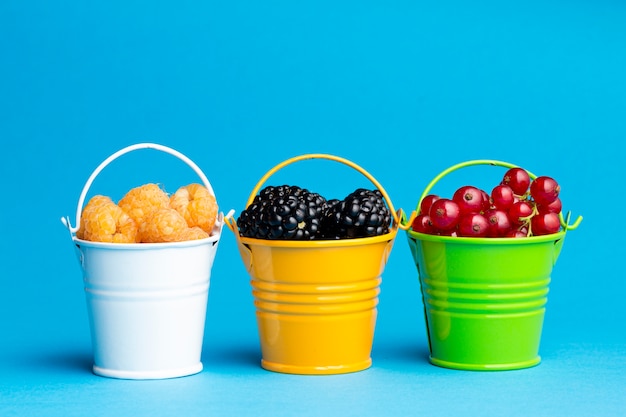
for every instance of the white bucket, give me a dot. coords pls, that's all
(146, 301)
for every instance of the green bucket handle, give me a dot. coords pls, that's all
(406, 223)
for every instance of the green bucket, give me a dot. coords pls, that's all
(484, 298)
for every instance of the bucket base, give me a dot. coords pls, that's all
(158, 374)
(316, 370)
(486, 367)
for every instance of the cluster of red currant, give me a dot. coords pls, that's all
(517, 207)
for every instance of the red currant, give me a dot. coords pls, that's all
(469, 199)
(486, 201)
(423, 224)
(545, 224)
(555, 207)
(473, 225)
(444, 214)
(544, 190)
(499, 223)
(427, 202)
(502, 196)
(518, 179)
(516, 233)
(519, 212)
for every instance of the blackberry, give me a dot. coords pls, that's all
(283, 212)
(363, 213)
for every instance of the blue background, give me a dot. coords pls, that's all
(404, 89)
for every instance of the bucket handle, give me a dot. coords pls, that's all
(397, 216)
(564, 221)
(107, 161)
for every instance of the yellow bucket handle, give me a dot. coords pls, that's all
(92, 177)
(564, 221)
(397, 216)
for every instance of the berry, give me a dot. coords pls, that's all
(284, 212)
(473, 225)
(362, 213)
(518, 179)
(103, 221)
(486, 201)
(520, 212)
(427, 202)
(423, 224)
(162, 225)
(140, 202)
(554, 207)
(517, 233)
(190, 233)
(502, 196)
(90, 206)
(196, 205)
(444, 214)
(499, 223)
(545, 224)
(469, 199)
(544, 190)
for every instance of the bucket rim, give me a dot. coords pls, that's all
(329, 243)
(487, 241)
(214, 238)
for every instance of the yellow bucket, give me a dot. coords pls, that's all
(316, 301)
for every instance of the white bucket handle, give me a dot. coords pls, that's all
(83, 194)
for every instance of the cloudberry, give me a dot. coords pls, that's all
(196, 205)
(140, 202)
(163, 225)
(191, 233)
(103, 221)
(93, 202)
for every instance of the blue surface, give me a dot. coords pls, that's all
(404, 89)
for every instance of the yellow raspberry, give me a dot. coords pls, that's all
(104, 221)
(196, 205)
(163, 225)
(140, 202)
(93, 202)
(190, 233)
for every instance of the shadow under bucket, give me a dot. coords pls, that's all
(316, 300)
(146, 302)
(484, 298)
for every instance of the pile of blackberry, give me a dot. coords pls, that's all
(294, 213)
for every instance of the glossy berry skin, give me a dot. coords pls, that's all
(519, 212)
(427, 202)
(469, 199)
(502, 196)
(545, 224)
(555, 207)
(516, 233)
(473, 225)
(544, 190)
(445, 214)
(518, 179)
(486, 201)
(423, 224)
(499, 223)
(362, 213)
(283, 212)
